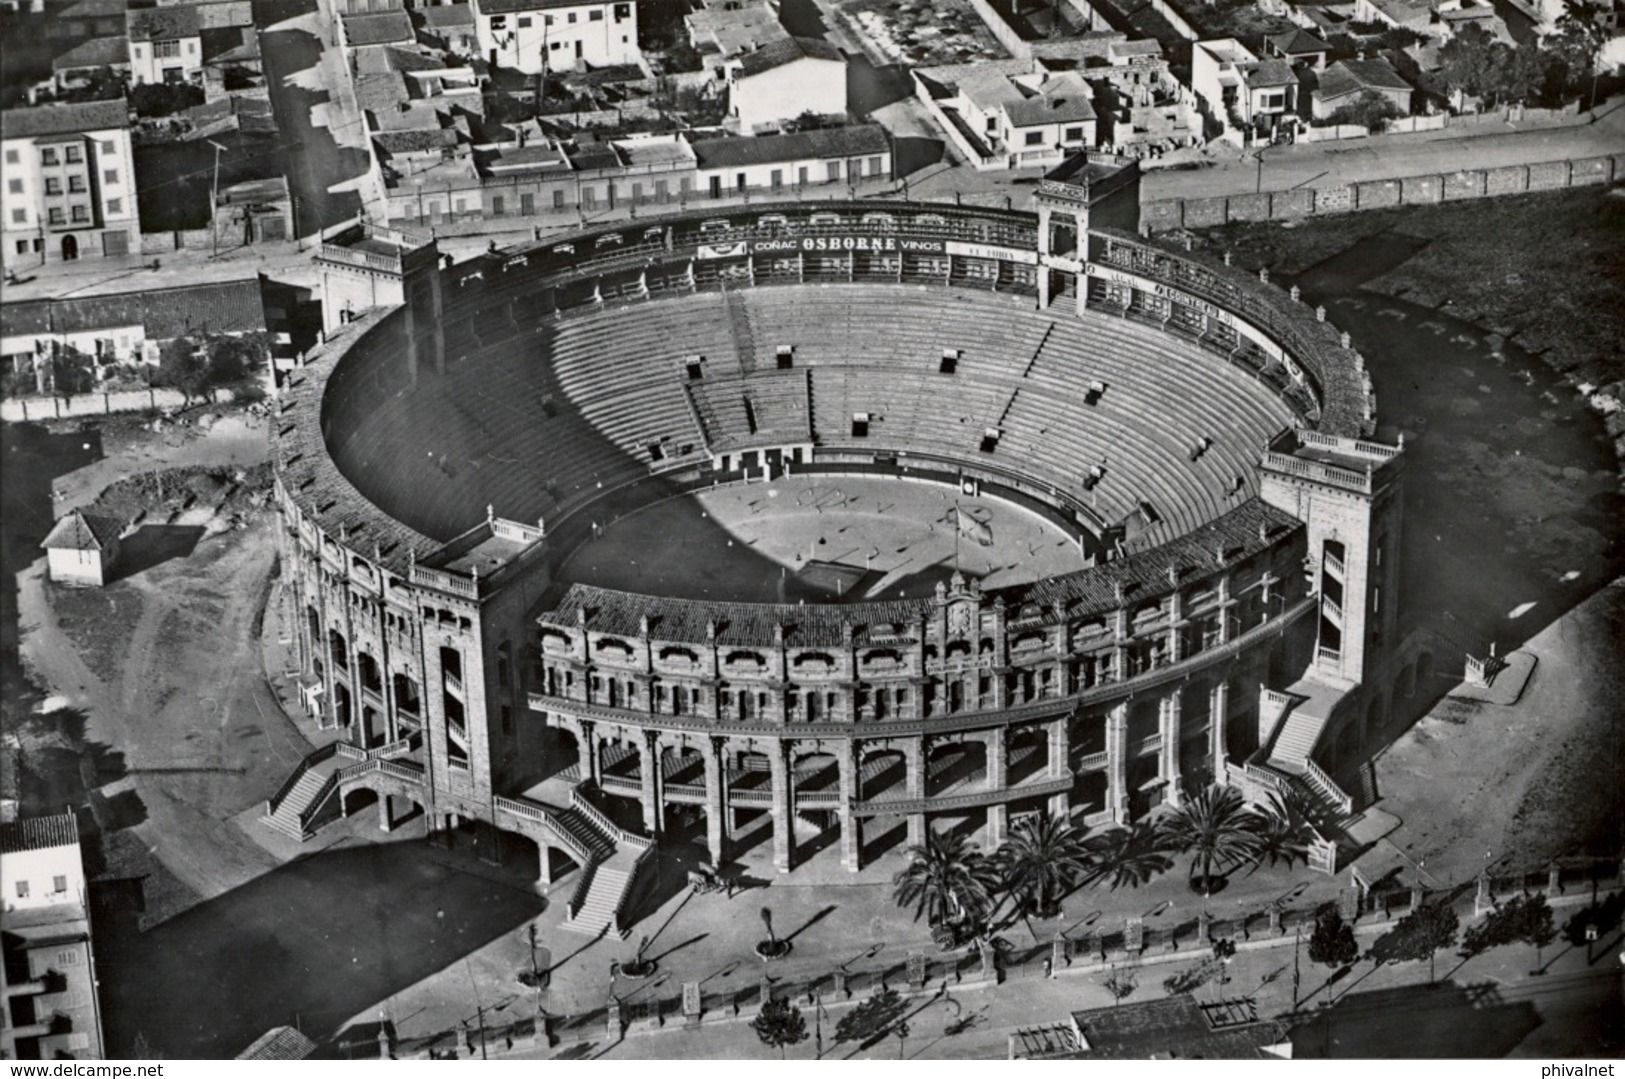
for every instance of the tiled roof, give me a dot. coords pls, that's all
(1299, 42)
(822, 144)
(380, 92)
(279, 1043)
(1172, 1028)
(227, 307)
(378, 28)
(440, 16)
(1271, 73)
(39, 833)
(504, 7)
(162, 23)
(64, 119)
(97, 52)
(1062, 99)
(787, 51)
(409, 142)
(1142, 575)
(1353, 76)
(80, 531)
(90, 9)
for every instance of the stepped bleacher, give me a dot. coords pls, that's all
(538, 416)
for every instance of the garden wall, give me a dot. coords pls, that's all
(1161, 215)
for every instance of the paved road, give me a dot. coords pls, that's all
(1386, 157)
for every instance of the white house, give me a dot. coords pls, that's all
(1346, 81)
(47, 963)
(1241, 89)
(1011, 113)
(721, 30)
(779, 163)
(782, 80)
(533, 36)
(82, 549)
(69, 183)
(166, 44)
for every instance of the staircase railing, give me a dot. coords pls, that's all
(619, 924)
(544, 815)
(580, 800)
(308, 815)
(1324, 784)
(315, 758)
(583, 886)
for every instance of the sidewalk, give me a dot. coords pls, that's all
(975, 1021)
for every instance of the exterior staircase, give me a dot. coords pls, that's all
(607, 878)
(306, 800)
(739, 324)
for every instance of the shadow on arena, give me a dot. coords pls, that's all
(310, 945)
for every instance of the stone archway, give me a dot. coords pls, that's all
(70, 248)
(952, 763)
(882, 771)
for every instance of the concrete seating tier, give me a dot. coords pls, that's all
(535, 416)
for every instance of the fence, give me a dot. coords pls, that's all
(20, 409)
(1161, 215)
(1083, 946)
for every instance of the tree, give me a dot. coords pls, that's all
(1370, 110)
(1128, 857)
(72, 371)
(1286, 828)
(1578, 38)
(780, 1024)
(1419, 935)
(872, 1018)
(1120, 985)
(183, 364)
(164, 98)
(1043, 858)
(1214, 825)
(1332, 943)
(947, 880)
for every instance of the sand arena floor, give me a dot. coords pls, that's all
(752, 542)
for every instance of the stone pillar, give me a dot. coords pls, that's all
(589, 752)
(716, 800)
(914, 762)
(998, 814)
(386, 812)
(649, 773)
(544, 865)
(784, 837)
(851, 825)
(1218, 709)
(1060, 748)
(1117, 800)
(1168, 757)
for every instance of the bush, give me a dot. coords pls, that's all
(1370, 110)
(165, 98)
(1332, 943)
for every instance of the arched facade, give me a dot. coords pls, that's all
(1114, 689)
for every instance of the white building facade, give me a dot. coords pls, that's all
(535, 36)
(69, 185)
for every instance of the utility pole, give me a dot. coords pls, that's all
(214, 203)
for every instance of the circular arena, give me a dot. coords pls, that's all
(791, 531)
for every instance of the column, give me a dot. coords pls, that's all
(998, 814)
(851, 824)
(1218, 710)
(1168, 714)
(1117, 763)
(716, 831)
(784, 837)
(386, 814)
(914, 765)
(1060, 747)
(649, 773)
(587, 744)
(1044, 240)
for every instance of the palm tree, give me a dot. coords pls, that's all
(1128, 857)
(947, 880)
(1213, 825)
(1287, 828)
(1043, 859)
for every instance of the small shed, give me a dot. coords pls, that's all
(83, 548)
